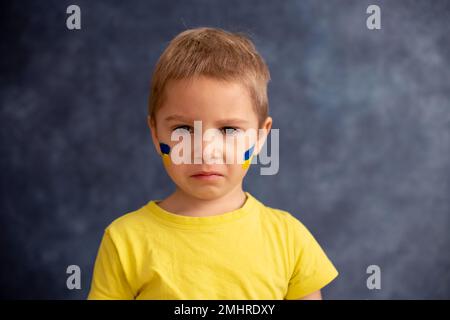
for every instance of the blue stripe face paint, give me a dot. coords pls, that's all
(248, 153)
(165, 149)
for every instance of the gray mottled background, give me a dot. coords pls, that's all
(364, 119)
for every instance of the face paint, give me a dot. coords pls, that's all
(165, 150)
(248, 156)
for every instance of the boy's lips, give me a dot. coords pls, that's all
(207, 175)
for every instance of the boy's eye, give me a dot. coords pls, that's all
(230, 130)
(183, 128)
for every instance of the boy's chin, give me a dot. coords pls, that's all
(206, 193)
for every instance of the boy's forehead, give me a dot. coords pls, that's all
(204, 97)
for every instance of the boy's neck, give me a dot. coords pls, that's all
(183, 204)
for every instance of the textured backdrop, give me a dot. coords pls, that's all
(364, 119)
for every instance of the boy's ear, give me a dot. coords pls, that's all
(151, 122)
(262, 134)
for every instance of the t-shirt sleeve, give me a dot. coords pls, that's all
(109, 280)
(313, 270)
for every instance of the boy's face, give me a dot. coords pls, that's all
(223, 106)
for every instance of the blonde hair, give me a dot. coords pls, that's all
(216, 53)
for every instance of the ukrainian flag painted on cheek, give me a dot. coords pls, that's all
(165, 150)
(248, 156)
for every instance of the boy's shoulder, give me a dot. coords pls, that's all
(131, 221)
(285, 222)
(276, 213)
(282, 216)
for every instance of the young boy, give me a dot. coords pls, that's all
(209, 239)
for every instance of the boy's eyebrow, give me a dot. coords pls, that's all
(222, 121)
(176, 117)
(231, 121)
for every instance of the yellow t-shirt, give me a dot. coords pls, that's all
(252, 253)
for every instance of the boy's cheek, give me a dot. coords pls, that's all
(230, 156)
(165, 153)
(177, 173)
(241, 156)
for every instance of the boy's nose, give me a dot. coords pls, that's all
(211, 148)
